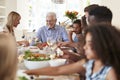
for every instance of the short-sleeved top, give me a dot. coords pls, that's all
(100, 75)
(57, 31)
(75, 39)
(81, 41)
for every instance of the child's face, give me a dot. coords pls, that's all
(76, 28)
(89, 52)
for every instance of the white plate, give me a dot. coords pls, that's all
(34, 49)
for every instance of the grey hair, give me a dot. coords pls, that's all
(51, 14)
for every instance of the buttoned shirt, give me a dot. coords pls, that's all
(55, 33)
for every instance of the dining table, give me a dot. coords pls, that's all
(22, 68)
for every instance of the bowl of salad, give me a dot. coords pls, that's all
(35, 60)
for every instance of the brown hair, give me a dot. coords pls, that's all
(8, 57)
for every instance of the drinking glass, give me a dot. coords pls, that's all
(52, 45)
(59, 39)
(49, 41)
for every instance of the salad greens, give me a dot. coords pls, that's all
(35, 56)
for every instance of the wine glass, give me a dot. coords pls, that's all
(52, 45)
(29, 39)
(59, 39)
(49, 41)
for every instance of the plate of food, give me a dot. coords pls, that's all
(34, 49)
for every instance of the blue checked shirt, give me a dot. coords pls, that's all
(55, 32)
(100, 75)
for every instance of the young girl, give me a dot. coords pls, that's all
(102, 49)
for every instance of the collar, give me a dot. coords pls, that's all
(51, 28)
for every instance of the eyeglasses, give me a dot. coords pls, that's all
(50, 20)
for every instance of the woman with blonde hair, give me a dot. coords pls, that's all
(8, 57)
(13, 20)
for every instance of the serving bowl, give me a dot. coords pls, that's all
(57, 62)
(35, 60)
(35, 64)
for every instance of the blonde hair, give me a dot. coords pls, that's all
(12, 17)
(8, 57)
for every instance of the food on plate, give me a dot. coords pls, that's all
(35, 56)
(33, 48)
(42, 45)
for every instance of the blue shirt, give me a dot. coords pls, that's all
(100, 75)
(75, 39)
(55, 33)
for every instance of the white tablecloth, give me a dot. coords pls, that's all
(22, 68)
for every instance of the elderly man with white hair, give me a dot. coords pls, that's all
(51, 29)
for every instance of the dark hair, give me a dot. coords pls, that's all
(90, 7)
(77, 21)
(106, 43)
(101, 13)
(83, 22)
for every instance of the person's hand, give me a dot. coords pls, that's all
(29, 72)
(71, 32)
(25, 43)
(80, 37)
(61, 44)
(70, 56)
(41, 45)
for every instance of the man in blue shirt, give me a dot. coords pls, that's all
(51, 29)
